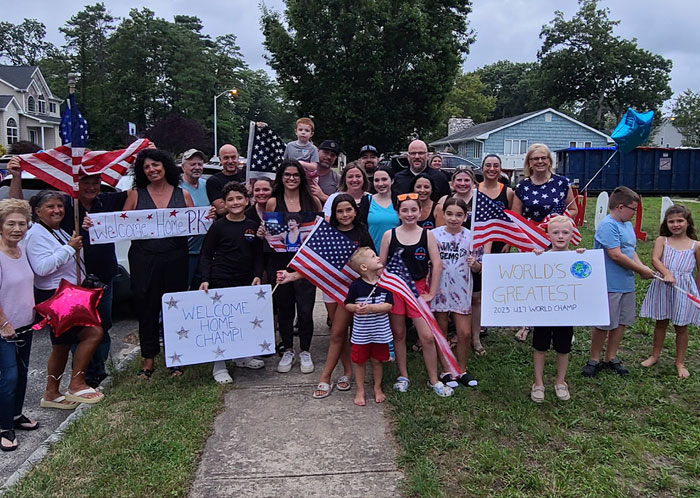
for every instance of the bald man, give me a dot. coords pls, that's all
(418, 163)
(228, 158)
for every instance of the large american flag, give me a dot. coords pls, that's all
(323, 261)
(397, 279)
(493, 223)
(60, 167)
(265, 152)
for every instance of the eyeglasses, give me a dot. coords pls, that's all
(630, 207)
(403, 197)
(419, 153)
(291, 175)
(539, 158)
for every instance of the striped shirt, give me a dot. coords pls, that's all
(373, 327)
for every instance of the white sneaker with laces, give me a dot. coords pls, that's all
(249, 362)
(307, 365)
(285, 364)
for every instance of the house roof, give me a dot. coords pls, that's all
(5, 101)
(19, 77)
(483, 130)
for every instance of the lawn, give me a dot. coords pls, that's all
(632, 436)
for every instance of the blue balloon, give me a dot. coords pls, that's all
(632, 130)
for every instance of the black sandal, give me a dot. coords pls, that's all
(144, 374)
(10, 436)
(24, 424)
(176, 371)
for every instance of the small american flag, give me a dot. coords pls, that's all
(397, 279)
(575, 238)
(323, 261)
(265, 152)
(493, 223)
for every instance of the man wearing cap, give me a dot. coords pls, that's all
(418, 163)
(192, 181)
(228, 158)
(327, 178)
(369, 159)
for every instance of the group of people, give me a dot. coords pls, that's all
(418, 212)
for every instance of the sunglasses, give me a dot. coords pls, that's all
(403, 197)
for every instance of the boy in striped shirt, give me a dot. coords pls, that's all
(371, 332)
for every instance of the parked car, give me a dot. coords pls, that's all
(450, 163)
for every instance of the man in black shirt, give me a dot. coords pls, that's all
(418, 163)
(228, 158)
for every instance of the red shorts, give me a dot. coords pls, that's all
(360, 353)
(401, 308)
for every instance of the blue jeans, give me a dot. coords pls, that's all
(96, 368)
(14, 365)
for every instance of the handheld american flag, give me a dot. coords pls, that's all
(265, 152)
(323, 261)
(493, 223)
(396, 279)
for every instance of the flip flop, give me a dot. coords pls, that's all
(80, 398)
(324, 388)
(344, 383)
(58, 403)
(23, 423)
(223, 377)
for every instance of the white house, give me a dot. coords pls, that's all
(667, 135)
(28, 109)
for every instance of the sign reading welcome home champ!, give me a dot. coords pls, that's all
(550, 289)
(148, 224)
(232, 322)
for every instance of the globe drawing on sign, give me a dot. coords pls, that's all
(581, 269)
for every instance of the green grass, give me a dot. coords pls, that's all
(143, 440)
(616, 437)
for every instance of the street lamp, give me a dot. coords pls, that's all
(232, 92)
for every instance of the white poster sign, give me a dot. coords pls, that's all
(148, 224)
(552, 289)
(232, 322)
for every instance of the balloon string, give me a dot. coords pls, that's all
(583, 190)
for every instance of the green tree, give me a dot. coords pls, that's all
(516, 86)
(686, 112)
(592, 71)
(466, 99)
(23, 44)
(369, 72)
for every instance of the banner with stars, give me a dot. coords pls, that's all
(222, 324)
(148, 224)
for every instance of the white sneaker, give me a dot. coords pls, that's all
(249, 362)
(307, 365)
(285, 364)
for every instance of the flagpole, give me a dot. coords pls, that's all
(76, 185)
(583, 190)
(473, 214)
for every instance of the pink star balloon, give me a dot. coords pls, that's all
(71, 306)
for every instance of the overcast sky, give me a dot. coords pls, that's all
(505, 29)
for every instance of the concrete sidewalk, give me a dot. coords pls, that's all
(274, 439)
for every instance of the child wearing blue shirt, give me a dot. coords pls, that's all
(616, 236)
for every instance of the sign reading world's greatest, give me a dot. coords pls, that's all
(551, 289)
(233, 322)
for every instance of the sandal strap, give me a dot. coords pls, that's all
(8, 434)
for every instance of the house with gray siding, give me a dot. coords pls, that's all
(28, 109)
(511, 137)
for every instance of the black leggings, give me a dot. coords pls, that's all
(298, 296)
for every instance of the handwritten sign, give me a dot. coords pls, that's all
(552, 289)
(148, 224)
(233, 322)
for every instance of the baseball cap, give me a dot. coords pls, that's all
(193, 152)
(369, 148)
(331, 145)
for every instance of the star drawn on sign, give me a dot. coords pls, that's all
(216, 297)
(256, 323)
(182, 333)
(265, 346)
(171, 303)
(149, 217)
(173, 212)
(261, 294)
(175, 358)
(218, 352)
(123, 216)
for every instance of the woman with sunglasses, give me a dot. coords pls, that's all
(16, 317)
(291, 194)
(540, 194)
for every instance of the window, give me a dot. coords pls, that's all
(31, 106)
(572, 145)
(515, 147)
(52, 108)
(580, 145)
(477, 150)
(34, 137)
(42, 104)
(12, 131)
(548, 117)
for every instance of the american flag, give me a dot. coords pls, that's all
(397, 279)
(492, 223)
(264, 153)
(575, 238)
(61, 166)
(323, 261)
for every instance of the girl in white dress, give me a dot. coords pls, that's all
(454, 294)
